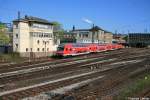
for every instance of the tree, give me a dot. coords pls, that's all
(57, 26)
(4, 39)
(125, 38)
(58, 31)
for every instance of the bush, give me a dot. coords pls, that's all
(11, 57)
(135, 88)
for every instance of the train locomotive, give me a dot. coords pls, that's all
(73, 49)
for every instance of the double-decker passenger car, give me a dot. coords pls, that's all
(72, 49)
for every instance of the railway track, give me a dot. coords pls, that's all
(76, 79)
(103, 88)
(85, 68)
(12, 67)
(11, 77)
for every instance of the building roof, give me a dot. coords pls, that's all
(105, 31)
(81, 30)
(95, 27)
(33, 19)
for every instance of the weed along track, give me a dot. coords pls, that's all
(85, 78)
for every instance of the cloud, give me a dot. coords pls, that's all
(87, 20)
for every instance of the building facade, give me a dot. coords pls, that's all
(119, 38)
(87, 36)
(33, 37)
(68, 37)
(139, 39)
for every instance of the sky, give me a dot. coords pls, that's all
(119, 16)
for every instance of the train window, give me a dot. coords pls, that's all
(70, 49)
(66, 49)
(60, 48)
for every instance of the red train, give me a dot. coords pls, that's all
(72, 49)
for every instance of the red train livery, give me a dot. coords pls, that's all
(72, 49)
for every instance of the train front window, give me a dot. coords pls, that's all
(60, 48)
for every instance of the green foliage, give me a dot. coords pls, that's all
(57, 26)
(55, 23)
(11, 57)
(138, 86)
(2, 26)
(125, 38)
(58, 30)
(4, 39)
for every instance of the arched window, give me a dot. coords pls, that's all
(42, 49)
(26, 49)
(38, 49)
(38, 41)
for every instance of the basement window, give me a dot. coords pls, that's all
(38, 41)
(26, 49)
(43, 49)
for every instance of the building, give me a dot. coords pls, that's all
(139, 39)
(68, 37)
(33, 37)
(93, 35)
(119, 38)
(108, 37)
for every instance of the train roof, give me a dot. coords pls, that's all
(79, 44)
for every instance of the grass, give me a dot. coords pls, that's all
(11, 57)
(135, 88)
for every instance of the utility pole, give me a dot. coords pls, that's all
(93, 32)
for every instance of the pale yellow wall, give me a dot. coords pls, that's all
(24, 37)
(108, 37)
(26, 40)
(102, 37)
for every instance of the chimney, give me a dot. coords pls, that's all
(26, 16)
(18, 15)
(73, 28)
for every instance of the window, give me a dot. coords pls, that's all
(43, 49)
(44, 42)
(16, 26)
(16, 35)
(16, 45)
(79, 35)
(38, 41)
(26, 49)
(38, 49)
(66, 49)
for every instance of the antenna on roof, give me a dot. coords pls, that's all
(18, 15)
